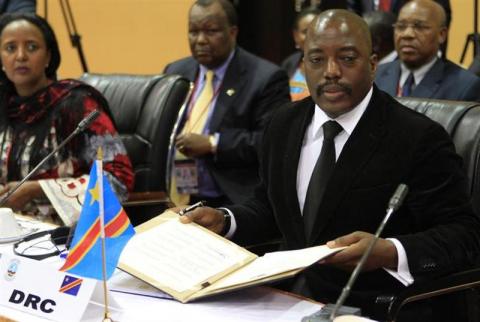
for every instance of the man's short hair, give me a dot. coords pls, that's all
(227, 7)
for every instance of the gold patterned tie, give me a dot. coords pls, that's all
(198, 115)
(194, 124)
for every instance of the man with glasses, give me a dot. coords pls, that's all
(419, 72)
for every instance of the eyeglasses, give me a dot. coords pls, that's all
(417, 26)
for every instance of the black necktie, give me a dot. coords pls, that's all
(408, 85)
(320, 175)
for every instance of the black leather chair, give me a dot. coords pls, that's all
(462, 122)
(144, 109)
(475, 65)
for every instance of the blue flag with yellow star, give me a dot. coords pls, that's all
(85, 255)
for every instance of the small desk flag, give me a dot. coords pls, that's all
(85, 255)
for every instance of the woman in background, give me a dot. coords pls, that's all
(37, 112)
(293, 64)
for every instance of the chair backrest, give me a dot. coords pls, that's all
(144, 109)
(462, 122)
(475, 65)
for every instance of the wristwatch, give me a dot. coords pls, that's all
(227, 222)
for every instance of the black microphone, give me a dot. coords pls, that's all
(329, 312)
(82, 125)
(85, 123)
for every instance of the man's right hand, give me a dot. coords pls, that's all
(210, 218)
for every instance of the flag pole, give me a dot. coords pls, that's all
(106, 317)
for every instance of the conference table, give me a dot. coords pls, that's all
(250, 304)
(254, 304)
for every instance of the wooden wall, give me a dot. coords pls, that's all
(461, 26)
(129, 36)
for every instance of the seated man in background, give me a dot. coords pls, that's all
(234, 95)
(419, 31)
(362, 7)
(380, 24)
(293, 64)
(366, 144)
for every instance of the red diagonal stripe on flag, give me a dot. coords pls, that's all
(76, 254)
(117, 225)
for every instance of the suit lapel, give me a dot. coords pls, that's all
(229, 91)
(431, 82)
(355, 154)
(390, 78)
(190, 70)
(293, 147)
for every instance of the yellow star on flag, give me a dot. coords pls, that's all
(95, 193)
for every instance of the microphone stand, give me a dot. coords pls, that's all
(395, 202)
(80, 127)
(402, 191)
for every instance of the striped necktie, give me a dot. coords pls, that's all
(194, 124)
(198, 115)
(407, 87)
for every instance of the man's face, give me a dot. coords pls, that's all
(339, 66)
(418, 34)
(210, 36)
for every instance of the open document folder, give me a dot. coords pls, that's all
(189, 262)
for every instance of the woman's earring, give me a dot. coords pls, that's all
(3, 68)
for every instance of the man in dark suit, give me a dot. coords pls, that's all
(362, 7)
(246, 90)
(419, 31)
(380, 144)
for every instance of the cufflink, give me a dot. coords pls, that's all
(230, 91)
(213, 144)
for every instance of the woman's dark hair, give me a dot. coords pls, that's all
(305, 12)
(48, 35)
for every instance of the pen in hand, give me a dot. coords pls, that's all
(191, 208)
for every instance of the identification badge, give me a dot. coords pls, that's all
(186, 176)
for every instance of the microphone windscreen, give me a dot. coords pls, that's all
(88, 120)
(397, 199)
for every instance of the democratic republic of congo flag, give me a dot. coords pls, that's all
(85, 255)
